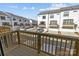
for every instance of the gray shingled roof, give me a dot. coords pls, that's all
(16, 15)
(70, 8)
(12, 14)
(3, 13)
(49, 12)
(60, 10)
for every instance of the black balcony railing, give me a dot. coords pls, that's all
(51, 44)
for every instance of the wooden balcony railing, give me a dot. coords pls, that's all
(68, 26)
(54, 26)
(42, 25)
(51, 44)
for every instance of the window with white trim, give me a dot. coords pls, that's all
(66, 13)
(68, 21)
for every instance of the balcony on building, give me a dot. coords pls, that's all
(68, 24)
(53, 24)
(42, 24)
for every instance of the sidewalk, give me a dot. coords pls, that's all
(64, 33)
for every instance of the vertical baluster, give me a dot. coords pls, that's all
(11, 38)
(33, 41)
(18, 36)
(70, 47)
(46, 44)
(5, 41)
(75, 46)
(52, 44)
(49, 45)
(61, 46)
(39, 43)
(30, 38)
(1, 48)
(42, 41)
(56, 46)
(36, 41)
(27, 39)
(7, 37)
(65, 46)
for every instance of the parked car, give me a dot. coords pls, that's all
(40, 30)
(22, 29)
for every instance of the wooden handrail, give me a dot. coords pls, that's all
(63, 37)
(45, 38)
(50, 35)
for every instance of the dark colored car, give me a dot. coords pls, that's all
(40, 30)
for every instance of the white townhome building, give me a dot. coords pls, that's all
(13, 21)
(4, 19)
(64, 19)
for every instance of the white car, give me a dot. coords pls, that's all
(22, 29)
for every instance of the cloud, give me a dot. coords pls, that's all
(42, 9)
(24, 8)
(54, 6)
(28, 8)
(33, 8)
(13, 6)
(58, 5)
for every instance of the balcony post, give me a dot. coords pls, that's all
(58, 29)
(75, 26)
(76, 48)
(1, 48)
(39, 43)
(18, 36)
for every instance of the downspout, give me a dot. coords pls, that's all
(11, 22)
(59, 25)
(48, 22)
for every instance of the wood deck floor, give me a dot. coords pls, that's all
(22, 50)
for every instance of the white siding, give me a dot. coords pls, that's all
(72, 15)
